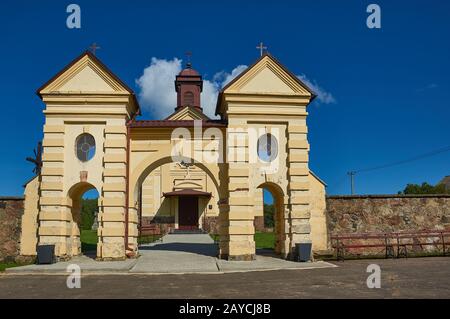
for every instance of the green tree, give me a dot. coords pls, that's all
(88, 209)
(425, 188)
(269, 211)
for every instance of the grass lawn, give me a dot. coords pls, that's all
(262, 240)
(3, 266)
(265, 240)
(148, 239)
(88, 240)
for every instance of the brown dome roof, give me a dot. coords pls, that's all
(189, 71)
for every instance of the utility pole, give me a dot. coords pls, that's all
(352, 184)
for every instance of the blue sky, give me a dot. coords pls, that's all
(390, 87)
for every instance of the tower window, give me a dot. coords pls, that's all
(85, 147)
(189, 98)
(267, 147)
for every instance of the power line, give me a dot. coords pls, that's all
(432, 153)
(338, 183)
(373, 168)
(352, 183)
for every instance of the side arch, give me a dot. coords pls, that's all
(79, 189)
(74, 194)
(281, 239)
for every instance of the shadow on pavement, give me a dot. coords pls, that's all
(91, 254)
(196, 248)
(267, 252)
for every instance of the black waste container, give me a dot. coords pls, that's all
(45, 254)
(303, 252)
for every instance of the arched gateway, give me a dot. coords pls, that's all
(187, 170)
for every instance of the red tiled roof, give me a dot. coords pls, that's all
(175, 123)
(187, 192)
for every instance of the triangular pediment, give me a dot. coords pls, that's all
(187, 113)
(86, 74)
(267, 76)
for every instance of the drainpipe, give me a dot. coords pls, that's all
(127, 187)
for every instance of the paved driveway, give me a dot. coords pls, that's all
(196, 253)
(400, 278)
(178, 253)
(175, 254)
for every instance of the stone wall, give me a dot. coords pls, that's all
(211, 224)
(387, 213)
(164, 224)
(11, 211)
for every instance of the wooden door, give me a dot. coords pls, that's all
(187, 212)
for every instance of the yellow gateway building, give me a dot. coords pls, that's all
(185, 172)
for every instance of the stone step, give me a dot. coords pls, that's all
(187, 231)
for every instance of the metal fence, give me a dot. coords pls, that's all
(393, 244)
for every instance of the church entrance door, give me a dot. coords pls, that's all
(188, 212)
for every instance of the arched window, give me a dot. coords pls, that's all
(267, 147)
(189, 98)
(85, 147)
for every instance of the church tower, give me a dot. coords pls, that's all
(189, 85)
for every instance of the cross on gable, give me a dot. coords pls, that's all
(261, 48)
(94, 47)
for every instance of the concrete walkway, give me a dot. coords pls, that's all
(87, 265)
(173, 254)
(178, 253)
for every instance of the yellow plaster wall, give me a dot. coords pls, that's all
(29, 237)
(86, 98)
(172, 177)
(87, 80)
(266, 96)
(72, 165)
(319, 233)
(151, 148)
(259, 202)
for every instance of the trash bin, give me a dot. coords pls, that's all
(303, 252)
(45, 254)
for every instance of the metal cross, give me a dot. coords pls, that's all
(261, 48)
(188, 58)
(37, 159)
(94, 47)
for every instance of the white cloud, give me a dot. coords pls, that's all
(322, 95)
(223, 78)
(157, 92)
(209, 98)
(211, 88)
